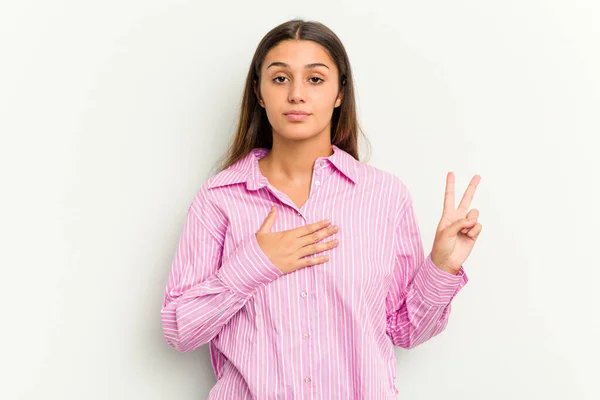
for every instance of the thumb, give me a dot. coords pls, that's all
(269, 221)
(461, 224)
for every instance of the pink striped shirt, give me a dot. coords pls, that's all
(326, 331)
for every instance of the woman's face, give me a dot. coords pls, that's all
(299, 75)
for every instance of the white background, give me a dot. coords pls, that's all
(113, 114)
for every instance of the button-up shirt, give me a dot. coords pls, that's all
(325, 331)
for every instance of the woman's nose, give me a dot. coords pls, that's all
(297, 92)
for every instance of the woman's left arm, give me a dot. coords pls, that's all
(418, 301)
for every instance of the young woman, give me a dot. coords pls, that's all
(301, 266)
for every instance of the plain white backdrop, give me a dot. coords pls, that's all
(113, 113)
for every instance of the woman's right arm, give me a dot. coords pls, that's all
(203, 291)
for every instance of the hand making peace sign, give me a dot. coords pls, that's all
(458, 230)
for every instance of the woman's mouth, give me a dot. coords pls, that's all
(297, 115)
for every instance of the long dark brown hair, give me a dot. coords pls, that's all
(254, 129)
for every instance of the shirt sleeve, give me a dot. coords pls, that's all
(203, 291)
(418, 301)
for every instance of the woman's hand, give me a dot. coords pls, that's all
(458, 229)
(287, 249)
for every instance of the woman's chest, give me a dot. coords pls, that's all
(363, 259)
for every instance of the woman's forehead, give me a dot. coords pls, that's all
(298, 54)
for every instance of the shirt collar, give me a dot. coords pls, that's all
(246, 169)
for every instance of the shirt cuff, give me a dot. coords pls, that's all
(248, 269)
(438, 287)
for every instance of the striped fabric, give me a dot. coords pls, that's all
(326, 331)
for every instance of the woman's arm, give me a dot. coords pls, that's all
(203, 292)
(418, 301)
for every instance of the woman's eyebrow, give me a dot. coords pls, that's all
(307, 66)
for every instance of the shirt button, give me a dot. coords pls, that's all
(303, 294)
(317, 183)
(307, 379)
(322, 163)
(299, 214)
(305, 336)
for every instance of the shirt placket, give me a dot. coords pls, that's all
(307, 282)
(307, 295)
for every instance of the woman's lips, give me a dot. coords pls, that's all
(296, 117)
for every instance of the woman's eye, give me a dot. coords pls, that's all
(281, 79)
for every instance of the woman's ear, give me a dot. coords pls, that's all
(262, 103)
(339, 99)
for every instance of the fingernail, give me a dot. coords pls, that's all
(471, 220)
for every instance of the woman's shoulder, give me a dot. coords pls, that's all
(207, 208)
(377, 177)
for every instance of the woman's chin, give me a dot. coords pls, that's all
(299, 135)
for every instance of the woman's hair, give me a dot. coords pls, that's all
(254, 129)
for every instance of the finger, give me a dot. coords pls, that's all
(473, 214)
(308, 261)
(465, 202)
(459, 225)
(317, 236)
(475, 231)
(449, 195)
(317, 248)
(269, 221)
(310, 228)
